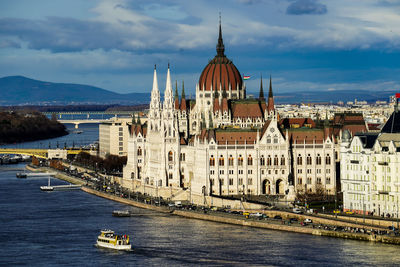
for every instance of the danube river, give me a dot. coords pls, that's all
(60, 229)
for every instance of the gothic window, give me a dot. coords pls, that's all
(318, 159)
(170, 176)
(269, 161)
(275, 139)
(328, 159)
(283, 160)
(170, 156)
(139, 151)
(309, 180)
(299, 180)
(230, 181)
(328, 180)
(182, 157)
(249, 160)
(212, 161)
(299, 160)
(262, 160)
(221, 161)
(240, 160)
(309, 160)
(276, 160)
(319, 180)
(268, 139)
(230, 160)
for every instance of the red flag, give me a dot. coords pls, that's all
(397, 95)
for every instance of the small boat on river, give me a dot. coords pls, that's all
(21, 175)
(121, 213)
(108, 239)
(47, 187)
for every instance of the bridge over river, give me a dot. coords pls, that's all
(43, 153)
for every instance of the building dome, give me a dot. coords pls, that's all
(220, 73)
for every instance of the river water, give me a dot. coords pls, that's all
(60, 229)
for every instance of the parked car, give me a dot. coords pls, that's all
(297, 211)
(278, 217)
(307, 220)
(349, 212)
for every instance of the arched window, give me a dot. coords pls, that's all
(269, 161)
(139, 151)
(283, 160)
(276, 160)
(318, 159)
(299, 160)
(328, 159)
(170, 156)
(230, 160)
(262, 160)
(249, 160)
(240, 160)
(309, 160)
(221, 161)
(212, 161)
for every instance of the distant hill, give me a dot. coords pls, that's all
(21, 90)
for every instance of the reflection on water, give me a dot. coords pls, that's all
(60, 228)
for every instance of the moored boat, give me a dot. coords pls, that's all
(108, 239)
(21, 175)
(121, 213)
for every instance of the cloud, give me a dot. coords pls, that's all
(306, 7)
(9, 44)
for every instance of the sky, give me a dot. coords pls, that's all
(305, 45)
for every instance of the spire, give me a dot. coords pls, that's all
(271, 106)
(155, 83)
(220, 44)
(168, 101)
(183, 90)
(261, 96)
(270, 87)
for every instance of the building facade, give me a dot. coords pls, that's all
(222, 143)
(113, 137)
(370, 170)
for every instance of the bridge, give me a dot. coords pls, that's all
(40, 153)
(77, 122)
(59, 114)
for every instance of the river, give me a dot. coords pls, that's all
(60, 228)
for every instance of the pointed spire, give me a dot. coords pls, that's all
(271, 106)
(183, 90)
(155, 83)
(261, 95)
(168, 97)
(270, 87)
(220, 44)
(176, 89)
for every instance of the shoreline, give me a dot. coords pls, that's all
(232, 220)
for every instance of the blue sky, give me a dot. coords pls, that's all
(114, 44)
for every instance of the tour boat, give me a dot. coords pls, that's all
(108, 239)
(21, 175)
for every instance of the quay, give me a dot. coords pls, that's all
(280, 225)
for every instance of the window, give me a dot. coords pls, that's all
(170, 156)
(230, 181)
(221, 171)
(221, 161)
(231, 171)
(269, 161)
(319, 180)
(221, 181)
(212, 161)
(299, 171)
(250, 181)
(309, 160)
(240, 160)
(230, 161)
(249, 160)
(268, 139)
(328, 160)
(240, 181)
(282, 161)
(182, 157)
(318, 159)
(275, 139)
(249, 171)
(121, 143)
(170, 175)
(309, 171)
(211, 172)
(299, 180)
(139, 151)
(328, 180)
(299, 160)
(309, 180)
(328, 170)
(262, 160)
(240, 171)
(276, 160)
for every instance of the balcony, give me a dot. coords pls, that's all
(354, 161)
(383, 163)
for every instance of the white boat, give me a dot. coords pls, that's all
(47, 187)
(108, 239)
